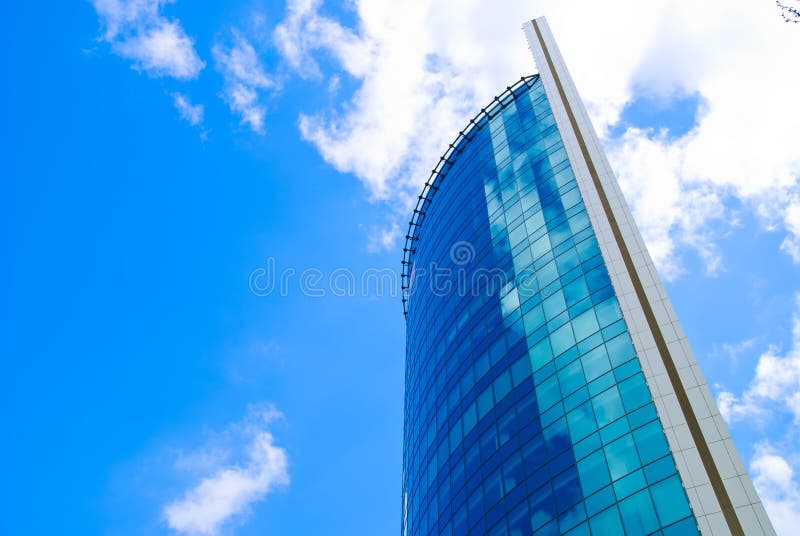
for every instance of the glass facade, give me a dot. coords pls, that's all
(526, 409)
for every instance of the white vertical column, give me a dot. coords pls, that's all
(684, 402)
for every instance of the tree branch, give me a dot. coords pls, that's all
(789, 13)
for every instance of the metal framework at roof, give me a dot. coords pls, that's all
(438, 174)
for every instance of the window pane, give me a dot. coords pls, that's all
(670, 500)
(593, 473)
(638, 514)
(621, 457)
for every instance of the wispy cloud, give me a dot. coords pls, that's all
(730, 353)
(138, 31)
(192, 113)
(382, 238)
(775, 386)
(734, 350)
(245, 80)
(236, 469)
(305, 31)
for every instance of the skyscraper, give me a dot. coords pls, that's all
(550, 388)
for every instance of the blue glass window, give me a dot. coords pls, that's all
(526, 409)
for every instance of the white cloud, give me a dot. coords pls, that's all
(137, 30)
(771, 402)
(425, 69)
(777, 484)
(304, 31)
(791, 244)
(193, 113)
(775, 386)
(735, 408)
(742, 145)
(670, 212)
(238, 468)
(245, 78)
(382, 238)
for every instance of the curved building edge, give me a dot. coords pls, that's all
(430, 187)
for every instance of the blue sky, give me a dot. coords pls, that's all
(157, 155)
